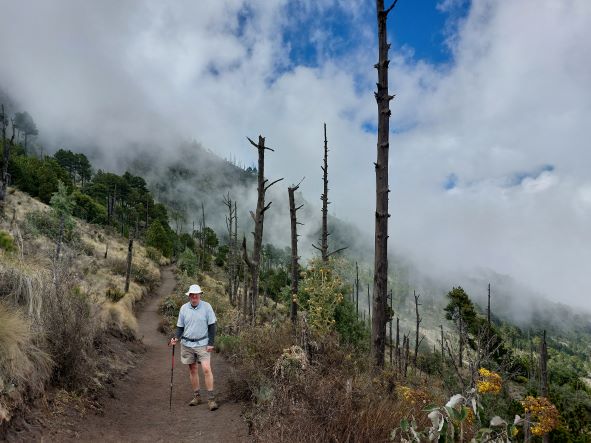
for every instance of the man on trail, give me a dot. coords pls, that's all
(196, 330)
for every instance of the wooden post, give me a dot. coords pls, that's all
(129, 257)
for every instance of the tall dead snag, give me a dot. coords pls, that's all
(232, 258)
(544, 374)
(418, 322)
(5, 151)
(129, 257)
(391, 323)
(398, 343)
(324, 197)
(488, 309)
(380, 279)
(253, 262)
(357, 289)
(295, 267)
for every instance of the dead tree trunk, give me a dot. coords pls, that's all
(461, 334)
(418, 322)
(398, 343)
(357, 290)
(230, 220)
(488, 309)
(380, 280)
(203, 242)
(391, 323)
(369, 306)
(442, 353)
(544, 374)
(60, 237)
(129, 257)
(258, 217)
(5, 157)
(236, 251)
(324, 197)
(295, 267)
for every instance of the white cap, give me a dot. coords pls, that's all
(194, 289)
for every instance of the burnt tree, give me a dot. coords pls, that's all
(5, 154)
(418, 323)
(357, 289)
(544, 374)
(253, 262)
(232, 253)
(295, 267)
(324, 197)
(380, 279)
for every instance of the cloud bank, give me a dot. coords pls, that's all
(489, 159)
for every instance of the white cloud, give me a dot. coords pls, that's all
(515, 97)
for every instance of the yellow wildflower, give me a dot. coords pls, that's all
(543, 414)
(489, 382)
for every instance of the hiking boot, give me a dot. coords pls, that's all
(212, 404)
(196, 401)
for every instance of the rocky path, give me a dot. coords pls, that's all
(139, 412)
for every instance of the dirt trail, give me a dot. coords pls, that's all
(140, 410)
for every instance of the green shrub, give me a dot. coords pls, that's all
(114, 294)
(188, 262)
(43, 223)
(7, 242)
(142, 275)
(153, 254)
(228, 344)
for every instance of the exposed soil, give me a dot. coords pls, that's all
(138, 410)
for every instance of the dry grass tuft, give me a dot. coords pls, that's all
(24, 367)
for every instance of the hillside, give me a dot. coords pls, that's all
(62, 319)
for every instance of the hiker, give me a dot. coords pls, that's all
(195, 329)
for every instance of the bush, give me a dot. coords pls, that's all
(153, 254)
(142, 275)
(70, 324)
(7, 242)
(228, 344)
(43, 223)
(114, 294)
(188, 262)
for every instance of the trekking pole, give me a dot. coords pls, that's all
(171, 375)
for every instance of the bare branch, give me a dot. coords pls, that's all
(276, 181)
(387, 11)
(337, 251)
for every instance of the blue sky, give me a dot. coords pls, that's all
(419, 26)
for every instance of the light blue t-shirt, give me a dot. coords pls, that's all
(195, 321)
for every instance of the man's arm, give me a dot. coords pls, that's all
(211, 334)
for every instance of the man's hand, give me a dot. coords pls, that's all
(173, 341)
(209, 348)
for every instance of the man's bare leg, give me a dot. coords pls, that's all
(208, 375)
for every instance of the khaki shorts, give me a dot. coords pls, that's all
(194, 355)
